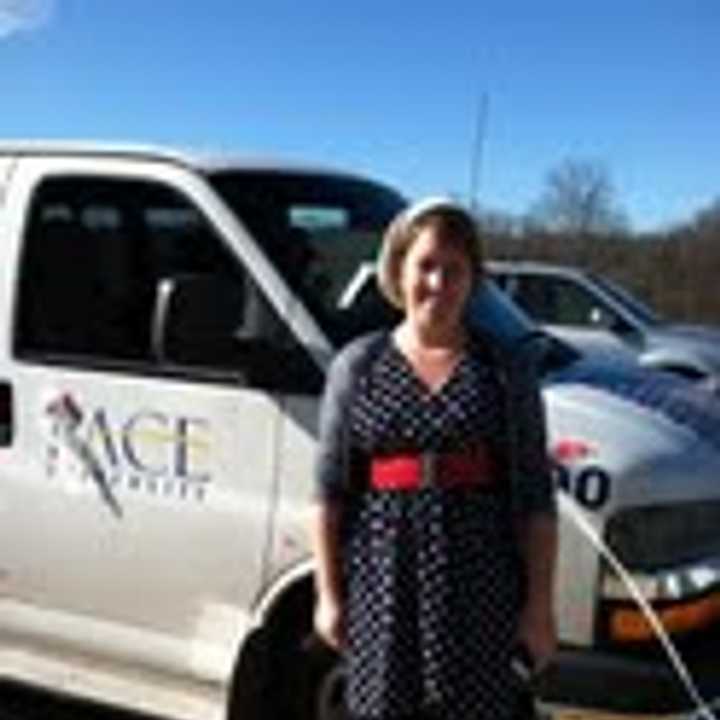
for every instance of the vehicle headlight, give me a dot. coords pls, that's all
(650, 538)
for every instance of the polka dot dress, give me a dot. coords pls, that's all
(432, 576)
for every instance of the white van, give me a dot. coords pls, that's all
(165, 322)
(156, 456)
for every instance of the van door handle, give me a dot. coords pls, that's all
(6, 414)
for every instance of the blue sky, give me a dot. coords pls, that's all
(388, 88)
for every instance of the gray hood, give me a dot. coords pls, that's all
(699, 341)
(699, 333)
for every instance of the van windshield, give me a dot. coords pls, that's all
(316, 228)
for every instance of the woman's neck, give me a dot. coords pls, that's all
(449, 338)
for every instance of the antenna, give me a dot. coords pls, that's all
(476, 156)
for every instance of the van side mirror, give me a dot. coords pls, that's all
(216, 323)
(195, 319)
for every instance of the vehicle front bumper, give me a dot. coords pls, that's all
(628, 683)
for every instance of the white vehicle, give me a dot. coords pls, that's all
(595, 314)
(164, 328)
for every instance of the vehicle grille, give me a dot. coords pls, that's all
(651, 538)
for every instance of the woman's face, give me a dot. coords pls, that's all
(435, 280)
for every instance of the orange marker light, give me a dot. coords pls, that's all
(631, 625)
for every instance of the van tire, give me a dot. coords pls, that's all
(310, 682)
(304, 674)
(248, 697)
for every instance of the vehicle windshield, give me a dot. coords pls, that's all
(316, 228)
(643, 312)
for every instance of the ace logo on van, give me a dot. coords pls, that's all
(147, 451)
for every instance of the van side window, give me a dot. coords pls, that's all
(130, 274)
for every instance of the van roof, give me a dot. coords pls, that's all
(201, 161)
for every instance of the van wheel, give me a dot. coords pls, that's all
(312, 683)
(248, 693)
(330, 695)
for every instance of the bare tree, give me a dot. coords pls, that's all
(578, 200)
(497, 222)
(707, 220)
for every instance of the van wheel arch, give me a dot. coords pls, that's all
(284, 671)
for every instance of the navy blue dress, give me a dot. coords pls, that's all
(432, 578)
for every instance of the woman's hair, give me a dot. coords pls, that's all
(449, 219)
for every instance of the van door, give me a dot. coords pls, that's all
(139, 487)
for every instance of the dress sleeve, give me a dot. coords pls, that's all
(332, 450)
(535, 492)
(335, 462)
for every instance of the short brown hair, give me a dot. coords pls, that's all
(444, 215)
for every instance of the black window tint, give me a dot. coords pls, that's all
(70, 300)
(97, 254)
(501, 280)
(555, 301)
(533, 296)
(317, 229)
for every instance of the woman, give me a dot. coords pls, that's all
(434, 531)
